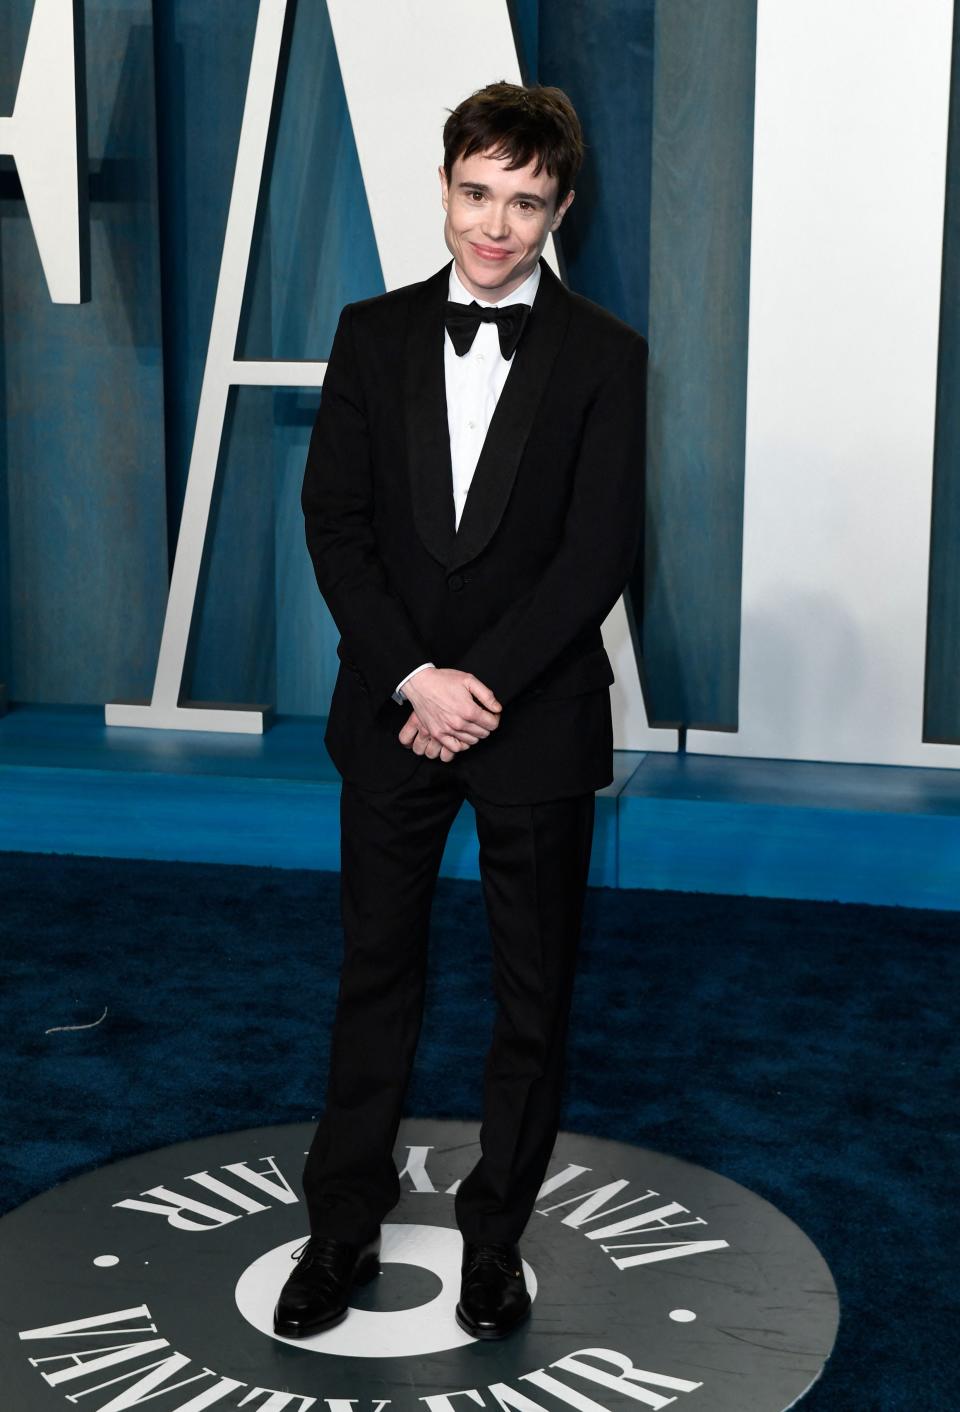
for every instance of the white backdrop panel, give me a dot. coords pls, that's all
(847, 230)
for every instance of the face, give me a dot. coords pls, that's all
(497, 221)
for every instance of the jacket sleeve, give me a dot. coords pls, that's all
(337, 504)
(603, 536)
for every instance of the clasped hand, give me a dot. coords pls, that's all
(452, 710)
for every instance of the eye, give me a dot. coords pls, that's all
(526, 205)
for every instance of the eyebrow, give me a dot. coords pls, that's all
(521, 195)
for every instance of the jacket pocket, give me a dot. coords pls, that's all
(351, 669)
(586, 673)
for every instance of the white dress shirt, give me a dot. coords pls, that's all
(474, 382)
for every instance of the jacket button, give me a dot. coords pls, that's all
(455, 580)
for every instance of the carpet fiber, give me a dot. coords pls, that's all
(807, 1050)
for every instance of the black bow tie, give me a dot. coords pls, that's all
(463, 320)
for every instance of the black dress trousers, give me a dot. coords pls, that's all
(534, 860)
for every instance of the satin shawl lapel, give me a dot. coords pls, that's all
(425, 407)
(427, 429)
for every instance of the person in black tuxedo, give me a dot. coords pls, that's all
(473, 508)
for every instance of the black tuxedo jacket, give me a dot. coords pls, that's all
(549, 535)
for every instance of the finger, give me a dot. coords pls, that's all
(468, 734)
(468, 728)
(477, 715)
(453, 742)
(409, 728)
(483, 693)
(489, 719)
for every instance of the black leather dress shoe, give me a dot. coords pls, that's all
(318, 1292)
(493, 1292)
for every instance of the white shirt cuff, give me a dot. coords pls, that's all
(398, 694)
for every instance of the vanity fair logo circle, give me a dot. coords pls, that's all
(654, 1283)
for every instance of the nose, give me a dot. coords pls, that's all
(495, 222)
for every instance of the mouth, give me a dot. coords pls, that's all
(491, 252)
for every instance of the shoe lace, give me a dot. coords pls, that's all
(316, 1250)
(497, 1253)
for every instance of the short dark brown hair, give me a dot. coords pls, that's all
(521, 122)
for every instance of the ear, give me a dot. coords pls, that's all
(562, 209)
(444, 192)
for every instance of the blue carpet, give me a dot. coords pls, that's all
(805, 1049)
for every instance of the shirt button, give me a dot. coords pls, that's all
(480, 358)
(471, 425)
